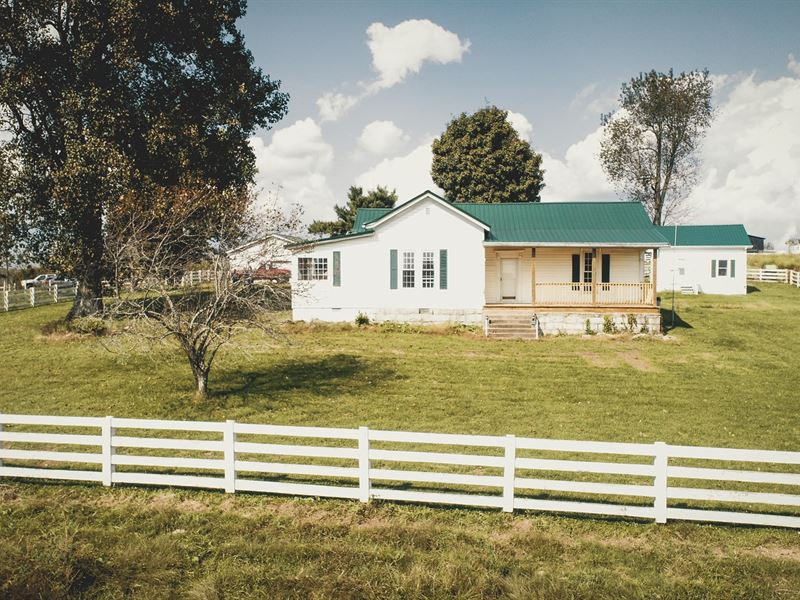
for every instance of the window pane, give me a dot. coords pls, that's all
(587, 267)
(722, 268)
(408, 269)
(320, 268)
(304, 269)
(428, 275)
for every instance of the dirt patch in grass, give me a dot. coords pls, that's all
(635, 360)
(596, 360)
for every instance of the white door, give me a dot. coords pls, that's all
(508, 278)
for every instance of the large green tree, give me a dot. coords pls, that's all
(107, 96)
(346, 215)
(481, 158)
(649, 148)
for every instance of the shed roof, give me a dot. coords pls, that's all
(706, 235)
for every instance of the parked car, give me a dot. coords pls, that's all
(38, 281)
(63, 282)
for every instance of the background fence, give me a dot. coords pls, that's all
(36, 296)
(650, 481)
(778, 275)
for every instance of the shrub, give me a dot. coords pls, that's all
(362, 319)
(589, 330)
(608, 325)
(633, 323)
(88, 326)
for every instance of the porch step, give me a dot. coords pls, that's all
(510, 325)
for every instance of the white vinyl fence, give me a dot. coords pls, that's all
(36, 296)
(650, 481)
(195, 277)
(778, 275)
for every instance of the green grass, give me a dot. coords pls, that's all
(728, 376)
(781, 261)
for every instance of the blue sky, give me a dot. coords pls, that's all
(556, 65)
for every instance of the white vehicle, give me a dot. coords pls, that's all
(38, 281)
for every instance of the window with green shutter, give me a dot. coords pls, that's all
(442, 269)
(733, 268)
(713, 268)
(393, 269)
(337, 268)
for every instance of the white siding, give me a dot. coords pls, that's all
(271, 253)
(696, 264)
(365, 271)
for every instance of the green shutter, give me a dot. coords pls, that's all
(393, 269)
(713, 268)
(337, 268)
(442, 269)
(733, 268)
(605, 275)
(576, 268)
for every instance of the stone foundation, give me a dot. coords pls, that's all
(574, 323)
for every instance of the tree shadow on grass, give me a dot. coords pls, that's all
(318, 376)
(668, 324)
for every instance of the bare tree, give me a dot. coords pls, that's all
(150, 254)
(649, 147)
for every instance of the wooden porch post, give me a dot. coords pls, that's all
(596, 252)
(653, 277)
(533, 275)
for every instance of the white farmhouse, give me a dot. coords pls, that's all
(520, 269)
(709, 259)
(269, 252)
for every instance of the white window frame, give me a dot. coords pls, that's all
(428, 276)
(405, 255)
(315, 269)
(722, 271)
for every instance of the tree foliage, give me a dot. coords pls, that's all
(346, 215)
(649, 148)
(105, 98)
(151, 249)
(481, 158)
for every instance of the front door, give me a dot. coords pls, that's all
(508, 278)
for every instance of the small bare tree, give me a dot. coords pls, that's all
(151, 251)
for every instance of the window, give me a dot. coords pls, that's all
(408, 269)
(304, 269)
(722, 268)
(428, 275)
(587, 270)
(312, 269)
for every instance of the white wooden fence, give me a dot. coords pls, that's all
(778, 275)
(36, 296)
(194, 277)
(510, 473)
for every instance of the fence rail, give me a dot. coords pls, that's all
(36, 296)
(777, 275)
(510, 473)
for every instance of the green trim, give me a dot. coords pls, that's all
(733, 268)
(442, 269)
(337, 268)
(713, 268)
(392, 269)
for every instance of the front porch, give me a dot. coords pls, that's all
(564, 278)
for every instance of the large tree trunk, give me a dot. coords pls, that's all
(201, 382)
(89, 299)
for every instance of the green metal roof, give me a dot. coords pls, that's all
(706, 235)
(366, 215)
(589, 223)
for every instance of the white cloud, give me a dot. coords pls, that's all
(793, 65)
(332, 105)
(397, 52)
(404, 48)
(593, 101)
(579, 175)
(382, 137)
(583, 95)
(521, 124)
(749, 170)
(296, 163)
(410, 174)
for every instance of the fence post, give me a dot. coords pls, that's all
(1, 441)
(5, 300)
(660, 482)
(509, 473)
(229, 443)
(33, 296)
(108, 450)
(55, 294)
(363, 464)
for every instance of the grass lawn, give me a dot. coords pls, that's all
(727, 377)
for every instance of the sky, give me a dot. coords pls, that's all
(373, 83)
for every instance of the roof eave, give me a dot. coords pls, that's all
(578, 244)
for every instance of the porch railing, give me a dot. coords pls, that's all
(585, 294)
